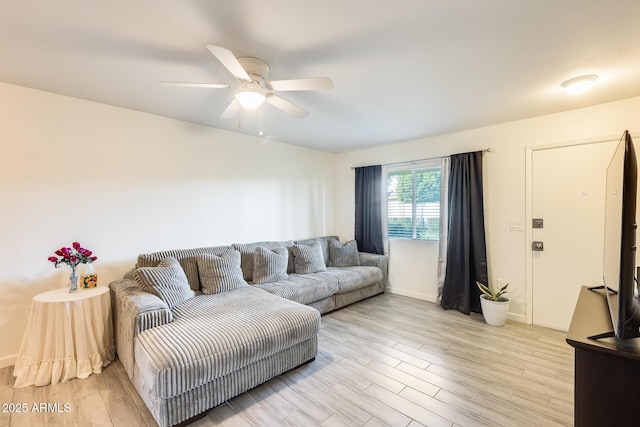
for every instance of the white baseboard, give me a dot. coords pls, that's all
(432, 298)
(416, 295)
(517, 317)
(544, 325)
(8, 360)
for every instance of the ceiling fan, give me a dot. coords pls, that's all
(254, 88)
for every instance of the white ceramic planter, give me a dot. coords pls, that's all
(494, 312)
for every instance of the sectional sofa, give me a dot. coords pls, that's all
(196, 327)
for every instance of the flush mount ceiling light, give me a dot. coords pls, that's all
(579, 85)
(250, 97)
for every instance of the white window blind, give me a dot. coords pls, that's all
(413, 200)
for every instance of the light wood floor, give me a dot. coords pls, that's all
(389, 360)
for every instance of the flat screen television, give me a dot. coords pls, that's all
(619, 266)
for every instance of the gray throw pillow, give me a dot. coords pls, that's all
(168, 281)
(270, 265)
(343, 255)
(186, 258)
(308, 258)
(220, 273)
(246, 258)
(247, 251)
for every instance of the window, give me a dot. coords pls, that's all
(413, 201)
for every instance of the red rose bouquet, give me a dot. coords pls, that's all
(73, 256)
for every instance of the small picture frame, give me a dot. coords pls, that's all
(89, 281)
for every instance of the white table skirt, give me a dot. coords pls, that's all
(68, 335)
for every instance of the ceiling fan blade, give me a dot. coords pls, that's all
(195, 84)
(231, 110)
(229, 61)
(312, 83)
(286, 106)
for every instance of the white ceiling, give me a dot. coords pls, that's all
(402, 70)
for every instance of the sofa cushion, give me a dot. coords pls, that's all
(304, 288)
(270, 265)
(368, 276)
(167, 280)
(347, 280)
(308, 258)
(324, 243)
(247, 251)
(343, 255)
(220, 273)
(186, 258)
(213, 335)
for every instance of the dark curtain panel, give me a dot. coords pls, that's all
(466, 253)
(369, 209)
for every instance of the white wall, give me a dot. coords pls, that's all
(122, 182)
(417, 273)
(505, 187)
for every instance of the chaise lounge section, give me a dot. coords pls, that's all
(189, 348)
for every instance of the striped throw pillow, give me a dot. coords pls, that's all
(220, 273)
(168, 281)
(343, 255)
(270, 265)
(308, 258)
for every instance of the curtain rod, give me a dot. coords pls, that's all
(408, 162)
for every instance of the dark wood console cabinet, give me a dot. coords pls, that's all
(607, 371)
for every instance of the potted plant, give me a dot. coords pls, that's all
(495, 307)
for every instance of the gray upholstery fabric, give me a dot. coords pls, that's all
(370, 275)
(308, 258)
(343, 255)
(347, 280)
(270, 265)
(324, 305)
(220, 273)
(167, 280)
(214, 335)
(186, 258)
(247, 251)
(347, 298)
(231, 341)
(379, 261)
(134, 310)
(324, 243)
(174, 410)
(304, 288)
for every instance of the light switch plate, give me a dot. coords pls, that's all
(516, 225)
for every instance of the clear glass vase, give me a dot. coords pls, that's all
(73, 280)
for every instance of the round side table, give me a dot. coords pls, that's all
(68, 335)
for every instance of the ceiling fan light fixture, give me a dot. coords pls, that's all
(579, 85)
(250, 97)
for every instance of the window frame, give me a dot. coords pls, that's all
(413, 167)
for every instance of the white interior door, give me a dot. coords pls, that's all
(568, 195)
